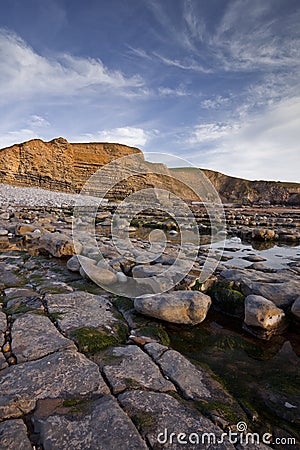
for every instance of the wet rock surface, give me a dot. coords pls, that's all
(13, 435)
(61, 374)
(101, 424)
(35, 336)
(131, 368)
(82, 368)
(159, 415)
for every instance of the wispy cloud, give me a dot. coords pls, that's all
(180, 91)
(24, 72)
(36, 121)
(188, 65)
(246, 39)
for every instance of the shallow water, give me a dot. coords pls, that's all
(277, 256)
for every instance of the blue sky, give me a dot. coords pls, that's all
(215, 82)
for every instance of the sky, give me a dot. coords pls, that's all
(215, 82)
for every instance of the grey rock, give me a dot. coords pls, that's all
(105, 426)
(3, 232)
(260, 312)
(80, 309)
(22, 296)
(182, 372)
(99, 275)
(186, 307)
(158, 415)
(75, 262)
(3, 324)
(35, 336)
(254, 258)
(59, 375)
(57, 244)
(282, 288)
(296, 308)
(132, 368)
(13, 435)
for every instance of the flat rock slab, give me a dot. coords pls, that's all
(104, 427)
(282, 287)
(158, 415)
(8, 275)
(35, 336)
(80, 309)
(62, 374)
(130, 367)
(195, 382)
(182, 372)
(13, 435)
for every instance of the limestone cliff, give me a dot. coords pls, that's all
(239, 190)
(56, 165)
(63, 166)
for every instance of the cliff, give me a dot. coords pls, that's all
(56, 165)
(63, 166)
(239, 190)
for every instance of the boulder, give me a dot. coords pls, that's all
(263, 234)
(99, 275)
(186, 307)
(57, 244)
(75, 262)
(296, 308)
(263, 314)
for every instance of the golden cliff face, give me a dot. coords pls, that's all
(62, 166)
(58, 164)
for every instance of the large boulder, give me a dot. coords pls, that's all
(57, 244)
(261, 313)
(185, 307)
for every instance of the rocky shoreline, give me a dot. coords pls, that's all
(85, 368)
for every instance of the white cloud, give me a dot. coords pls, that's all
(215, 102)
(13, 137)
(23, 72)
(246, 40)
(125, 135)
(177, 92)
(265, 146)
(184, 65)
(210, 132)
(36, 121)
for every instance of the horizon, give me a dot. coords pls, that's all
(215, 83)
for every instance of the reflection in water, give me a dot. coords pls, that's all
(262, 245)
